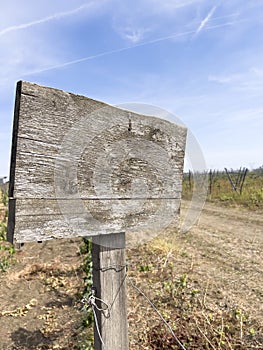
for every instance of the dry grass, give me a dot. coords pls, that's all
(200, 312)
(207, 284)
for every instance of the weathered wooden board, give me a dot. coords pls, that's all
(80, 167)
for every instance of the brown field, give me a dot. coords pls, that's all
(207, 283)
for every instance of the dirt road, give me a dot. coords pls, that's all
(227, 245)
(39, 292)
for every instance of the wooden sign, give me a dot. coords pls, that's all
(80, 167)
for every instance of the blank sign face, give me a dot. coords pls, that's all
(80, 167)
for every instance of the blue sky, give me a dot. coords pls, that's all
(201, 60)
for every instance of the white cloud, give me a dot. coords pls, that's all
(249, 114)
(53, 17)
(32, 40)
(225, 79)
(258, 72)
(108, 53)
(14, 14)
(134, 35)
(155, 18)
(205, 20)
(25, 49)
(17, 58)
(171, 5)
(233, 158)
(249, 81)
(146, 19)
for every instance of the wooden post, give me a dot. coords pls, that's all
(242, 180)
(190, 180)
(109, 280)
(211, 176)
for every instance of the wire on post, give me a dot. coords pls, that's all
(104, 309)
(157, 311)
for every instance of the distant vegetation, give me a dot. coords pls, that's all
(230, 187)
(6, 250)
(3, 214)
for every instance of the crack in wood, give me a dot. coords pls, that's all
(28, 94)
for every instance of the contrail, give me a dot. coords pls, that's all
(205, 20)
(107, 53)
(43, 20)
(150, 42)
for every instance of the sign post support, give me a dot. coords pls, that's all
(109, 281)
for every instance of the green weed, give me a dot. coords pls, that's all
(3, 228)
(87, 316)
(6, 256)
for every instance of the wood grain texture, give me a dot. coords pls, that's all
(82, 167)
(109, 280)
